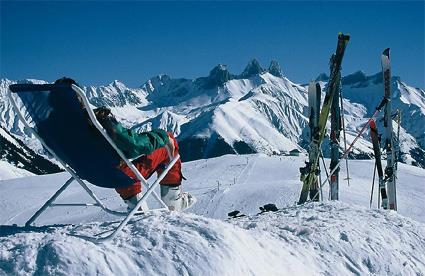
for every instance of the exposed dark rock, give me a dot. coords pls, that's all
(217, 77)
(253, 68)
(356, 77)
(25, 158)
(275, 69)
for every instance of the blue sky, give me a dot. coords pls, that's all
(98, 42)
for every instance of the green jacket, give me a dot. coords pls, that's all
(134, 144)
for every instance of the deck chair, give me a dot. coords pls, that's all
(58, 115)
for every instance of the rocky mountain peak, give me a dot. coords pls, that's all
(219, 74)
(275, 69)
(253, 68)
(217, 77)
(358, 76)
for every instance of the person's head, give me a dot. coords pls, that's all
(66, 80)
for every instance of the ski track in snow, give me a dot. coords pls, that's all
(329, 238)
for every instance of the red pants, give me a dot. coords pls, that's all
(147, 165)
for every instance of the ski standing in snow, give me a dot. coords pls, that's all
(310, 172)
(390, 173)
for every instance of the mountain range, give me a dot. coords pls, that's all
(258, 110)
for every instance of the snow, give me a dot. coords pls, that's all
(332, 238)
(9, 171)
(409, 95)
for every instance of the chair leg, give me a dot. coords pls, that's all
(49, 202)
(129, 216)
(139, 203)
(98, 201)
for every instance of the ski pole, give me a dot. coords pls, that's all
(327, 175)
(379, 201)
(324, 165)
(377, 110)
(345, 137)
(320, 181)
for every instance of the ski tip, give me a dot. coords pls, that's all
(386, 52)
(318, 88)
(343, 36)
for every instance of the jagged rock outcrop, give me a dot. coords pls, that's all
(253, 68)
(275, 69)
(217, 77)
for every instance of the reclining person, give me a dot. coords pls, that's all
(152, 151)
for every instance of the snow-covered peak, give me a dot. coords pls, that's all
(154, 83)
(253, 68)
(118, 85)
(412, 96)
(275, 69)
(217, 77)
(115, 94)
(356, 77)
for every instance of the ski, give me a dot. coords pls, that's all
(388, 134)
(334, 141)
(350, 147)
(345, 136)
(377, 152)
(310, 171)
(314, 98)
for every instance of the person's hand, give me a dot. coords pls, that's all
(106, 119)
(102, 113)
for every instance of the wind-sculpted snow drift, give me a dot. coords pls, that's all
(331, 238)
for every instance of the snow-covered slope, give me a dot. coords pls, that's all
(332, 238)
(9, 171)
(256, 111)
(19, 160)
